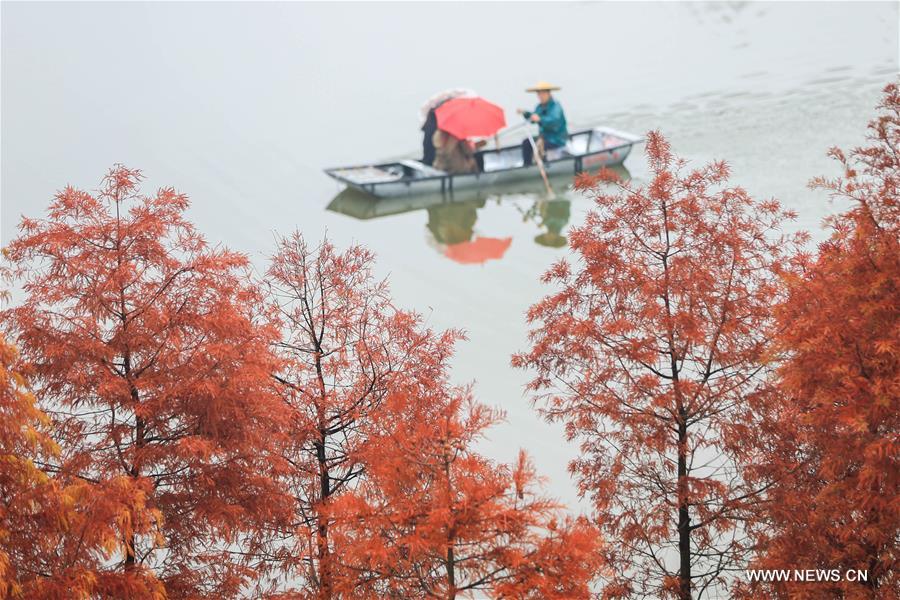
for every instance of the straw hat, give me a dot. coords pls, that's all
(542, 86)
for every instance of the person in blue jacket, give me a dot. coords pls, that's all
(551, 119)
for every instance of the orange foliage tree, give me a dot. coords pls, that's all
(344, 347)
(835, 445)
(651, 353)
(33, 509)
(434, 519)
(385, 482)
(144, 346)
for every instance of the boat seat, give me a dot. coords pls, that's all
(499, 161)
(420, 167)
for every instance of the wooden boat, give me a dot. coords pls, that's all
(588, 149)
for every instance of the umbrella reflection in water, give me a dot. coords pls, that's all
(452, 229)
(478, 251)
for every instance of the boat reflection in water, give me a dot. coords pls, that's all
(452, 217)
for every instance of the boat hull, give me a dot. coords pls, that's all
(437, 182)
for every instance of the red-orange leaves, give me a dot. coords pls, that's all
(651, 352)
(836, 442)
(34, 510)
(145, 347)
(390, 498)
(434, 519)
(344, 348)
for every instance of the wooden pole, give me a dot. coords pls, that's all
(540, 163)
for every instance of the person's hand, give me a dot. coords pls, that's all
(535, 118)
(521, 111)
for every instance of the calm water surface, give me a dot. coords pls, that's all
(242, 105)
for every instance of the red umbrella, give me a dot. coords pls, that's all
(479, 250)
(469, 117)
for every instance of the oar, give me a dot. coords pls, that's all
(540, 164)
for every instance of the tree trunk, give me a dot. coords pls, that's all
(451, 574)
(684, 517)
(451, 559)
(322, 550)
(131, 542)
(135, 470)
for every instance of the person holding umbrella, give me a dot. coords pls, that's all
(459, 120)
(452, 154)
(429, 119)
(551, 119)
